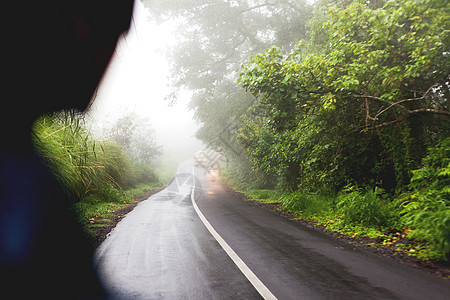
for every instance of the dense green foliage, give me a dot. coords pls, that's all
(214, 38)
(136, 137)
(426, 207)
(86, 167)
(346, 112)
(359, 102)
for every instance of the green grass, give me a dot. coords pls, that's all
(359, 212)
(353, 212)
(96, 174)
(252, 193)
(265, 196)
(141, 189)
(99, 204)
(306, 205)
(80, 163)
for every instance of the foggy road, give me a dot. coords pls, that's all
(164, 250)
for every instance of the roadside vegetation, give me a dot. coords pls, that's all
(357, 128)
(415, 221)
(98, 175)
(340, 114)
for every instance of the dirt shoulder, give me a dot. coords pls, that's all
(375, 246)
(101, 225)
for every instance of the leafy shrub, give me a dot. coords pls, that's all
(426, 208)
(107, 193)
(306, 204)
(141, 173)
(263, 195)
(365, 208)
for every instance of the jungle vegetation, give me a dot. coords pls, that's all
(338, 109)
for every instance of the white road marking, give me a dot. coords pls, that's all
(254, 280)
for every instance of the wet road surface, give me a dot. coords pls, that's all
(163, 250)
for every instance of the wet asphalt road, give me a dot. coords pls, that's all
(162, 250)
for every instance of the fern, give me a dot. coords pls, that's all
(427, 208)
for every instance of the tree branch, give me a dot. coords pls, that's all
(428, 111)
(398, 103)
(382, 100)
(412, 112)
(406, 100)
(225, 58)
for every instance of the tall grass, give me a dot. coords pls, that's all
(82, 164)
(307, 205)
(366, 207)
(425, 212)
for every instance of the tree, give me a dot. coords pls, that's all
(373, 82)
(214, 39)
(135, 135)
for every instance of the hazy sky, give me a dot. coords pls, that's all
(137, 81)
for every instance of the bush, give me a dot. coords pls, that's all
(83, 165)
(306, 204)
(429, 217)
(426, 208)
(141, 173)
(107, 193)
(366, 208)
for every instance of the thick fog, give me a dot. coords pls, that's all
(136, 82)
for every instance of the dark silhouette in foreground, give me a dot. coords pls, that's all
(54, 54)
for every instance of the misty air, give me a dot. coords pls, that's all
(246, 149)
